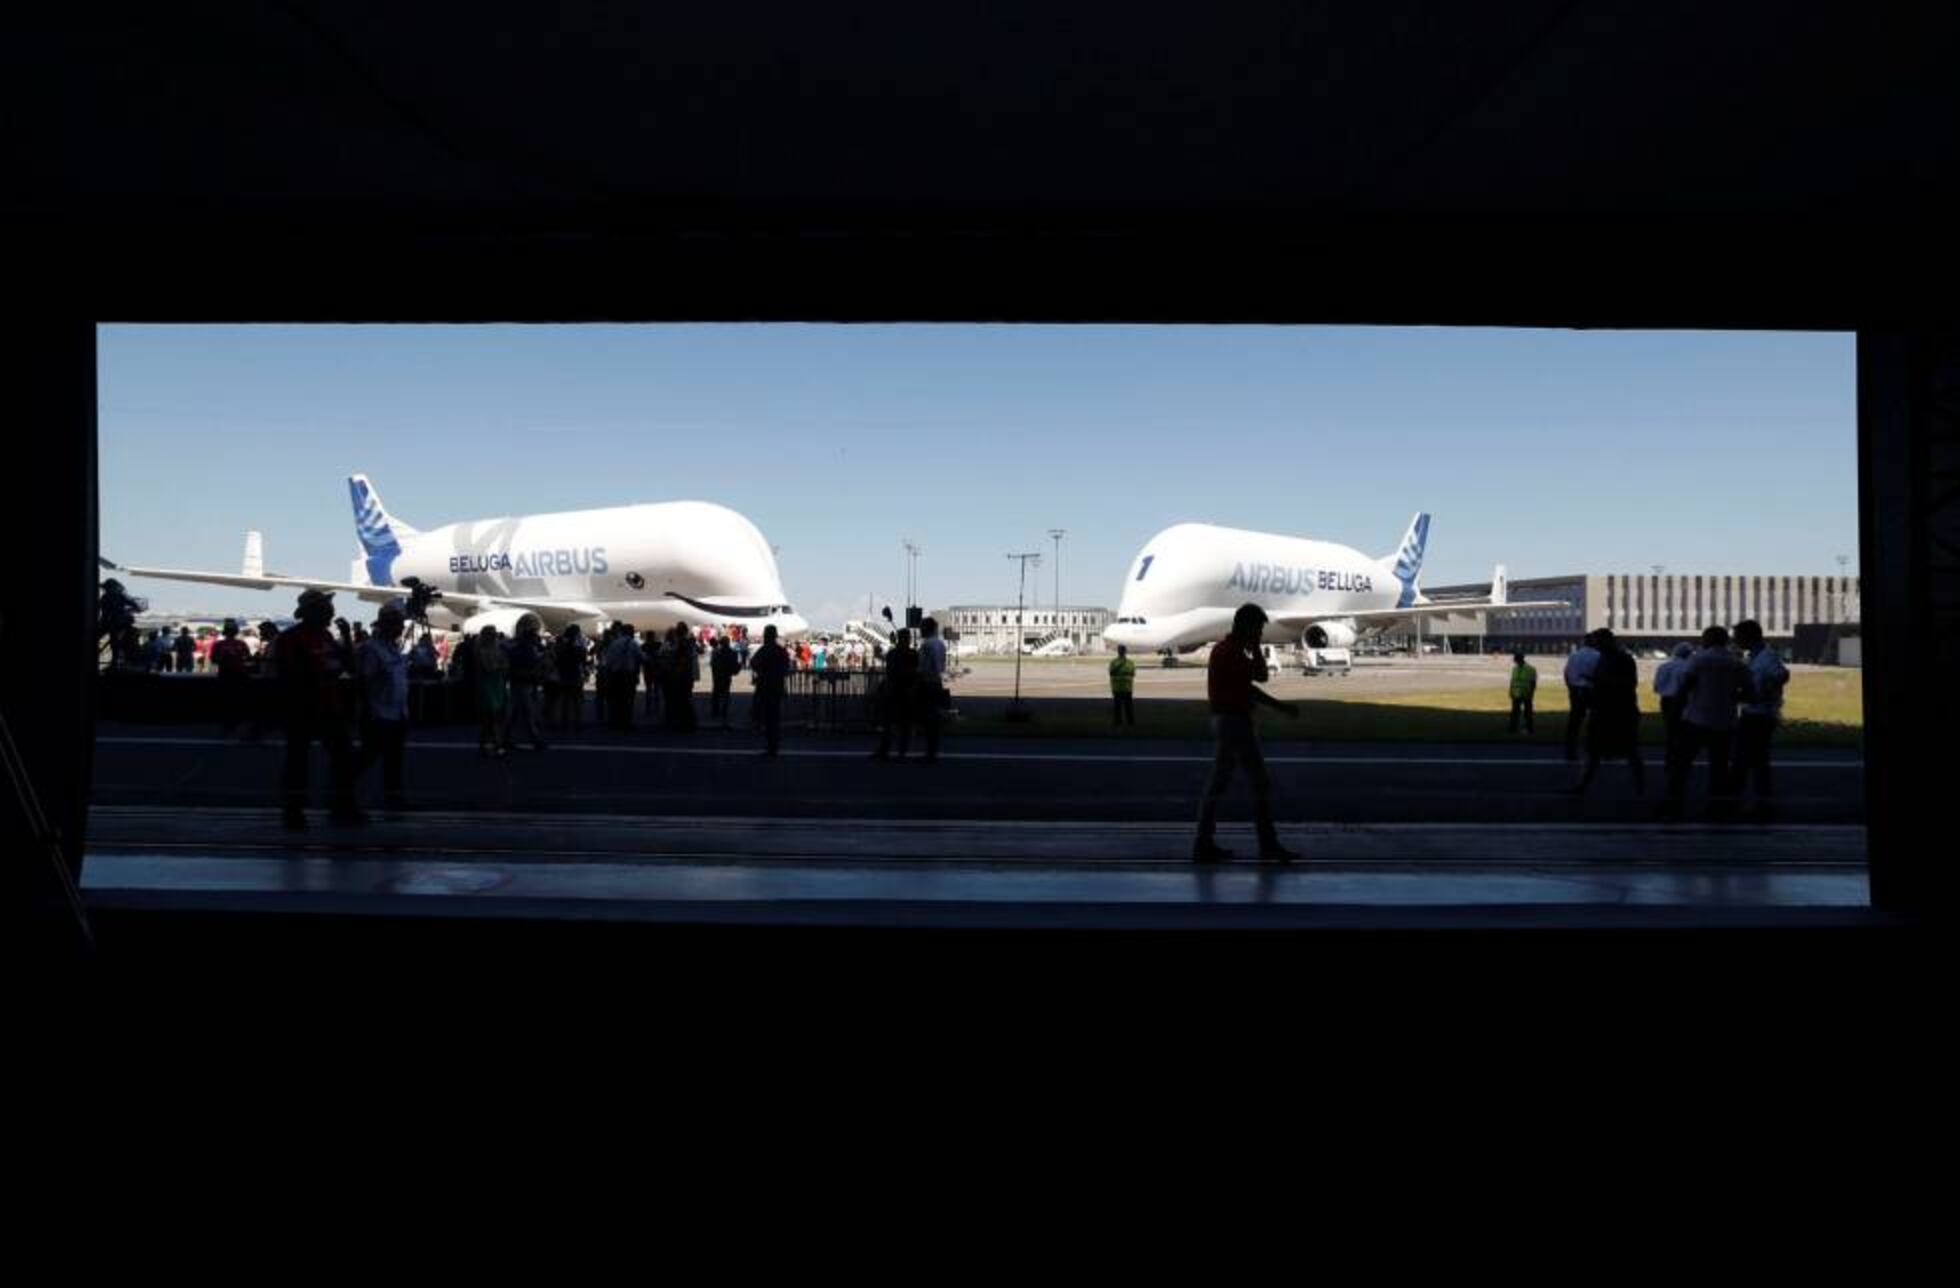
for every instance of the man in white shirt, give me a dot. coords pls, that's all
(1762, 711)
(620, 667)
(932, 685)
(384, 702)
(1667, 682)
(1715, 680)
(1579, 670)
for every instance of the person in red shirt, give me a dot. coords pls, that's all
(1232, 678)
(234, 663)
(310, 667)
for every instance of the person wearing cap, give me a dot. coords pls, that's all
(309, 669)
(234, 663)
(384, 701)
(1236, 669)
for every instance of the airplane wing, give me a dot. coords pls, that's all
(1384, 616)
(555, 614)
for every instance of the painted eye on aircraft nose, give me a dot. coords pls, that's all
(636, 581)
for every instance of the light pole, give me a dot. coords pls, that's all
(1016, 713)
(911, 574)
(1057, 534)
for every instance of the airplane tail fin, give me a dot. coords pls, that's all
(1407, 559)
(254, 565)
(1500, 586)
(378, 531)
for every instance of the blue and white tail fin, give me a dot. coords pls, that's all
(378, 531)
(1405, 564)
(254, 562)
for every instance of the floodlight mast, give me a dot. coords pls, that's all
(1016, 711)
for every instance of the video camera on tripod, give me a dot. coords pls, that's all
(421, 596)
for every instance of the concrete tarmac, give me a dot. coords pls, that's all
(720, 774)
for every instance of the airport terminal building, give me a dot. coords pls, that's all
(993, 628)
(1645, 610)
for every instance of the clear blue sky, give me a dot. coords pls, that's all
(1550, 451)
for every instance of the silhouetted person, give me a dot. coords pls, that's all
(596, 659)
(1762, 711)
(770, 667)
(268, 657)
(527, 670)
(492, 694)
(722, 666)
(619, 668)
(310, 671)
(1715, 681)
(932, 697)
(115, 620)
(1236, 669)
(568, 657)
(462, 679)
(1122, 687)
(1669, 677)
(898, 694)
(1613, 726)
(422, 661)
(344, 641)
(185, 649)
(233, 661)
(1578, 692)
(682, 669)
(384, 702)
(266, 702)
(657, 661)
(1524, 688)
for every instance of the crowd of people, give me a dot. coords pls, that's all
(352, 691)
(1722, 701)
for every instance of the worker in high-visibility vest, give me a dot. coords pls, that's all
(1524, 685)
(1122, 687)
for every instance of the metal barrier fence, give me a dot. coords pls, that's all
(832, 699)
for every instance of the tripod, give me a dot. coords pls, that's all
(45, 838)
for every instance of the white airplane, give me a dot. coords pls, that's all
(650, 565)
(1191, 578)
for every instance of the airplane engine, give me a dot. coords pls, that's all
(506, 620)
(1330, 635)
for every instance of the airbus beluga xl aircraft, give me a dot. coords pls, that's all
(651, 565)
(1190, 579)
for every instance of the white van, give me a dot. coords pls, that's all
(1327, 661)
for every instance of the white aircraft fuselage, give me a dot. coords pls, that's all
(652, 565)
(1189, 580)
